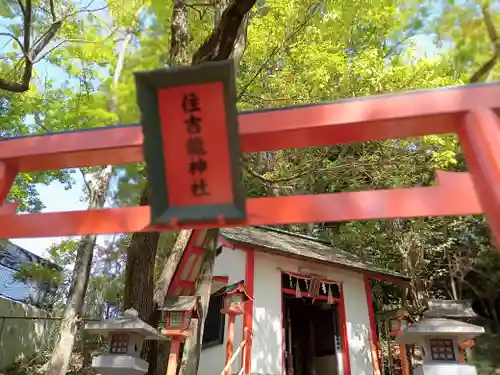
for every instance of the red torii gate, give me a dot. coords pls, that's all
(469, 111)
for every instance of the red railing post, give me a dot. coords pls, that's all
(230, 340)
(246, 338)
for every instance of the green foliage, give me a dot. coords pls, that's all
(39, 274)
(45, 282)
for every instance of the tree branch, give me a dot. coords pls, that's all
(483, 70)
(493, 35)
(52, 10)
(30, 52)
(311, 168)
(23, 11)
(45, 39)
(278, 180)
(220, 44)
(27, 25)
(277, 48)
(28, 63)
(12, 36)
(490, 27)
(29, 56)
(179, 30)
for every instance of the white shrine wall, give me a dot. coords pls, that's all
(267, 347)
(230, 263)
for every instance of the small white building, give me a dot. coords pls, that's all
(293, 333)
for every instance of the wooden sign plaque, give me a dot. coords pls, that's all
(191, 143)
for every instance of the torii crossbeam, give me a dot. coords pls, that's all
(170, 99)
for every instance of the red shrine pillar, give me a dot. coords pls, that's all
(479, 136)
(230, 339)
(7, 176)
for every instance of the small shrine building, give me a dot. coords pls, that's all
(311, 311)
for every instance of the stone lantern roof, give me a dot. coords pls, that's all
(461, 309)
(437, 328)
(130, 323)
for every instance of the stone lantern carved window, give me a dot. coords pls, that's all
(442, 350)
(119, 343)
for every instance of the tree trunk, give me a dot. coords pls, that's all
(170, 265)
(139, 270)
(98, 190)
(192, 346)
(161, 290)
(141, 253)
(61, 355)
(494, 316)
(139, 282)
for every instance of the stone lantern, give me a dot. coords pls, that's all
(125, 338)
(439, 340)
(459, 310)
(235, 296)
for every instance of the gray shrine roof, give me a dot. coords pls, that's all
(296, 246)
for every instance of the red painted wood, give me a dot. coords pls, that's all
(467, 110)
(479, 136)
(7, 176)
(283, 337)
(346, 360)
(374, 343)
(230, 341)
(372, 118)
(173, 356)
(176, 279)
(304, 275)
(454, 196)
(221, 279)
(292, 292)
(249, 305)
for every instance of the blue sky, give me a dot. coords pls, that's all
(55, 198)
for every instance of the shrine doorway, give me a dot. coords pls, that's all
(312, 334)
